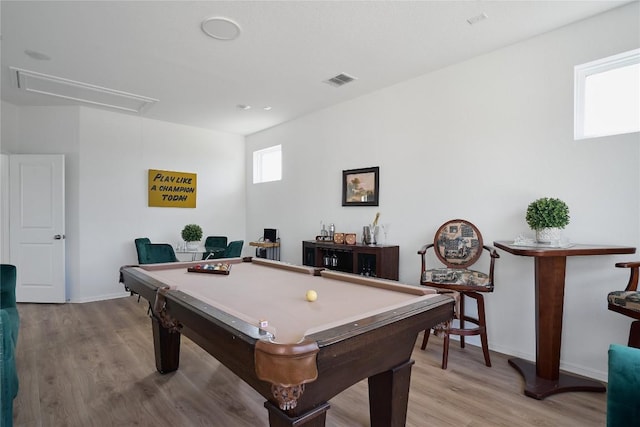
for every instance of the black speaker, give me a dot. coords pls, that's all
(270, 234)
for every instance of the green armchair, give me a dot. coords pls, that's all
(141, 248)
(153, 253)
(234, 249)
(160, 252)
(623, 395)
(9, 327)
(215, 246)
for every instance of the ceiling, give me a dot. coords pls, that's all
(285, 51)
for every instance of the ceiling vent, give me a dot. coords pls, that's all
(44, 84)
(340, 80)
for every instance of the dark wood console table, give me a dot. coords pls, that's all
(369, 260)
(544, 378)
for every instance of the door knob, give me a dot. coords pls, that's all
(58, 236)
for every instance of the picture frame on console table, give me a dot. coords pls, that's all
(361, 187)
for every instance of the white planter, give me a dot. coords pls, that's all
(192, 246)
(549, 235)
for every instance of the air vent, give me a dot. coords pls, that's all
(44, 84)
(340, 80)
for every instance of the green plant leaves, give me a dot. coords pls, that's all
(547, 213)
(191, 233)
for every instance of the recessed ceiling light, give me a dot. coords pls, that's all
(267, 108)
(243, 106)
(221, 28)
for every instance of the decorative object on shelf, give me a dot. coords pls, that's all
(385, 231)
(370, 232)
(338, 238)
(350, 238)
(547, 216)
(369, 235)
(192, 234)
(360, 187)
(375, 220)
(323, 233)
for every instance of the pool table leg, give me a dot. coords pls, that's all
(389, 396)
(316, 417)
(166, 344)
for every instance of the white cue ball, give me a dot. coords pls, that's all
(312, 295)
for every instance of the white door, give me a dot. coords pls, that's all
(36, 224)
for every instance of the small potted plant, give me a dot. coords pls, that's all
(547, 216)
(192, 234)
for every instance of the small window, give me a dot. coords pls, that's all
(607, 96)
(267, 164)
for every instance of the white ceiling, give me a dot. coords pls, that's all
(286, 50)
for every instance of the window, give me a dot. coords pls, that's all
(607, 96)
(267, 164)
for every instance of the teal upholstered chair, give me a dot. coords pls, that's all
(458, 245)
(215, 246)
(9, 327)
(623, 394)
(141, 248)
(160, 252)
(627, 302)
(234, 249)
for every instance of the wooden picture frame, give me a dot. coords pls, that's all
(361, 187)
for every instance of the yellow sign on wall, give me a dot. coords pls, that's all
(172, 189)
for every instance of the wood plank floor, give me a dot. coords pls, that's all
(92, 364)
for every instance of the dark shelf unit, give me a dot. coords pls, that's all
(370, 260)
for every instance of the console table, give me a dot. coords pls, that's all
(368, 260)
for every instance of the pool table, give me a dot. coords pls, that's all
(296, 353)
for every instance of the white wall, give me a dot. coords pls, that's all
(8, 112)
(49, 131)
(4, 208)
(478, 140)
(107, 157)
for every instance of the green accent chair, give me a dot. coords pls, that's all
(627, 302)
(160, 252)
(623, 394)
(9, 327)
(234, 249)
(215, 246)
(141, 248)
(458, 245)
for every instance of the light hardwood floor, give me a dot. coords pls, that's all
(92, 364)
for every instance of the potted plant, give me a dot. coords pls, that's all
(547, 216)
(192, 233)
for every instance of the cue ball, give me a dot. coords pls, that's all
(312, 295)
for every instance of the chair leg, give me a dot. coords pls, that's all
(461, 318)
(445, 350)
(479, 321)
(634, 334)
(483, 330)
(425, 339)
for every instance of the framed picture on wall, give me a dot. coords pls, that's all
(360, 187)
